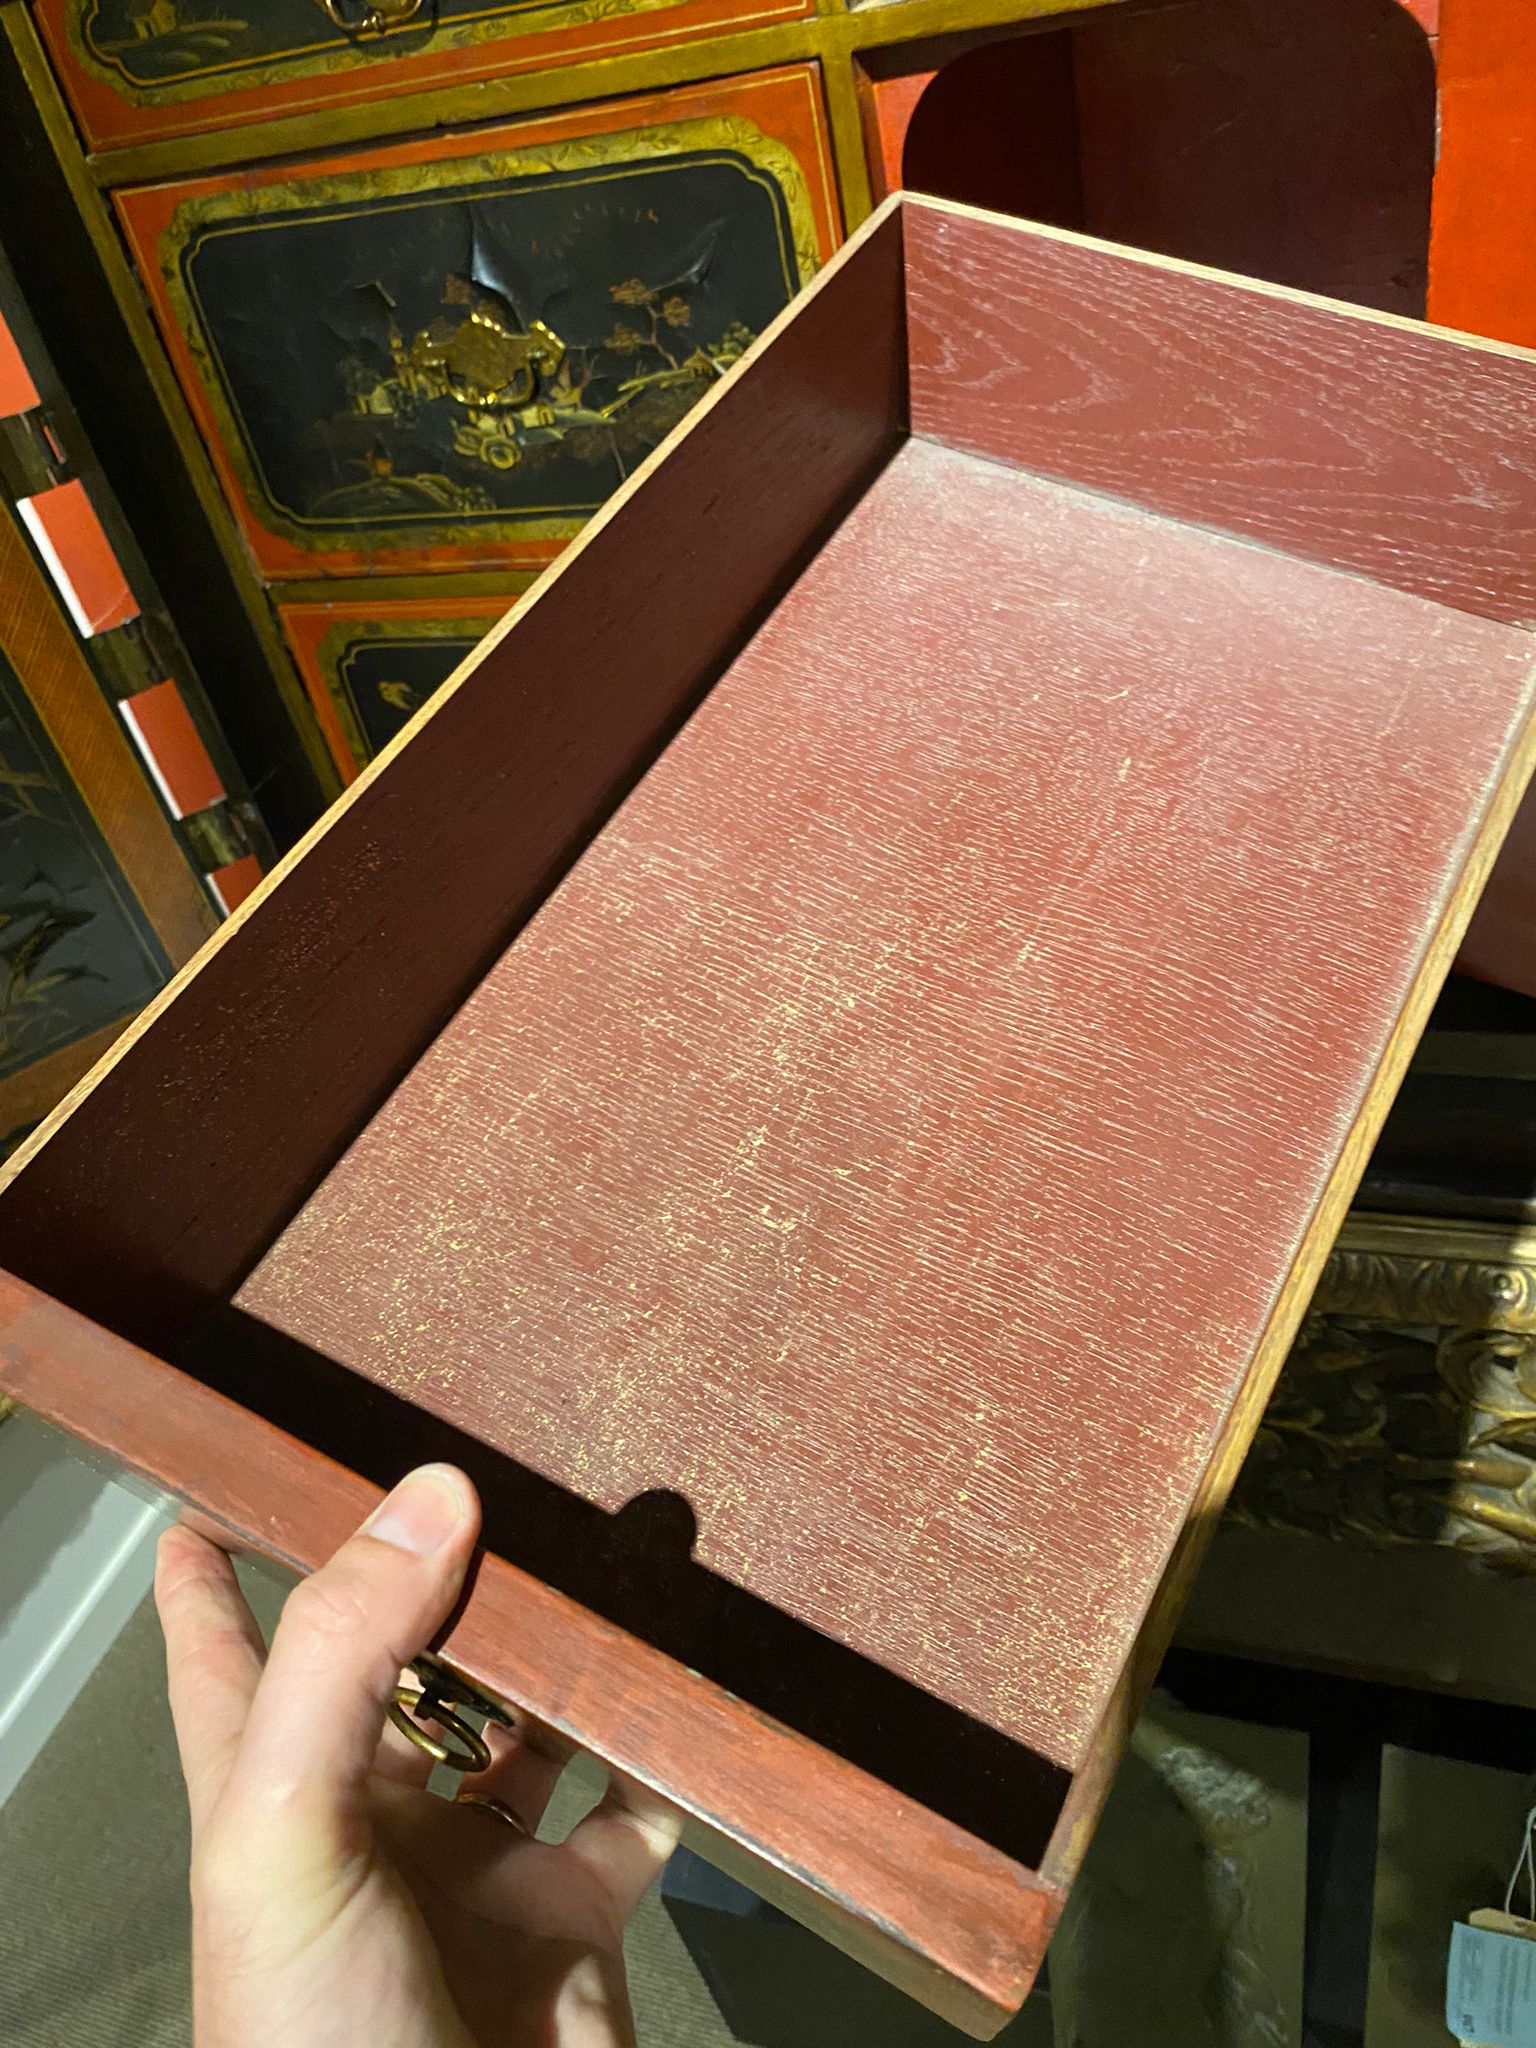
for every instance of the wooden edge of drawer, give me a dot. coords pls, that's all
(953, 1922)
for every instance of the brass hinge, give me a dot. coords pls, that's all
(127, 660)
(31, 460)
(217, 835)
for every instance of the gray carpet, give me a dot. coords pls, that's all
(93, 1907)
(93, 1861)
(1185, 1931)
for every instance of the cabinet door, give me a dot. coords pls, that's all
(97, 902)
(138, 70)
(369, 666)
(448, 352)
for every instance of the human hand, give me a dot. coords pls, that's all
(336, 1903)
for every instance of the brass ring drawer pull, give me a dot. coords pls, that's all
(466, 1752)
(371, 17)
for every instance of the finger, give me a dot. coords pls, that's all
(519, 1778)
(624, 1842)
(314, 1728)
(213, 1658)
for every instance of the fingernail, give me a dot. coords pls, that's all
(424, 1511)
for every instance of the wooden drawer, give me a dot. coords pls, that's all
(138, 70)
(98, 903)
(448, 352)
(772, 1074)
(1227, 132)
(370, 664)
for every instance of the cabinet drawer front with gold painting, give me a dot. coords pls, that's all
(148, 69)
(370, 664)
(447, 353)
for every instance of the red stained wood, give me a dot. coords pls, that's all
(886, 106)
(1139, 848)
(1287, 139)
(865, 1141)
(150, 1203)
(776, 1802)
(1392, 450)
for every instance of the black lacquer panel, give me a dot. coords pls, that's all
(487, 349)
(76, 950)
(385, 681)
(164, 42)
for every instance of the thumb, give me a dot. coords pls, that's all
(314, 1726)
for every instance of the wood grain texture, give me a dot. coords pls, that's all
(1386, 448)
(146, 1202)
(1084, 1801)
(866, 1140)
(955, 1923)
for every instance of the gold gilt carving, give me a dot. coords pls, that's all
(1407, 1409)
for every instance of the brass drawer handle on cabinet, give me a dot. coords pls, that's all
(371, 17)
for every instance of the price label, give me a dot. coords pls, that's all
(1490, 1989)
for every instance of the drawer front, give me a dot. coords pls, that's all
(449, 352)
(97, 902)
(139, 70)
(369, 666)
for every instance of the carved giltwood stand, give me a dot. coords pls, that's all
(1407, 1410)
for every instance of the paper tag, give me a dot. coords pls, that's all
(1490, 1989)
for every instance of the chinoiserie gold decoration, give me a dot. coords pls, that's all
(205, 53)
(521, 390)
(339, 640)
(1407, 1409)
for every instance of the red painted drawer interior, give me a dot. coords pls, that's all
(836, 1125)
